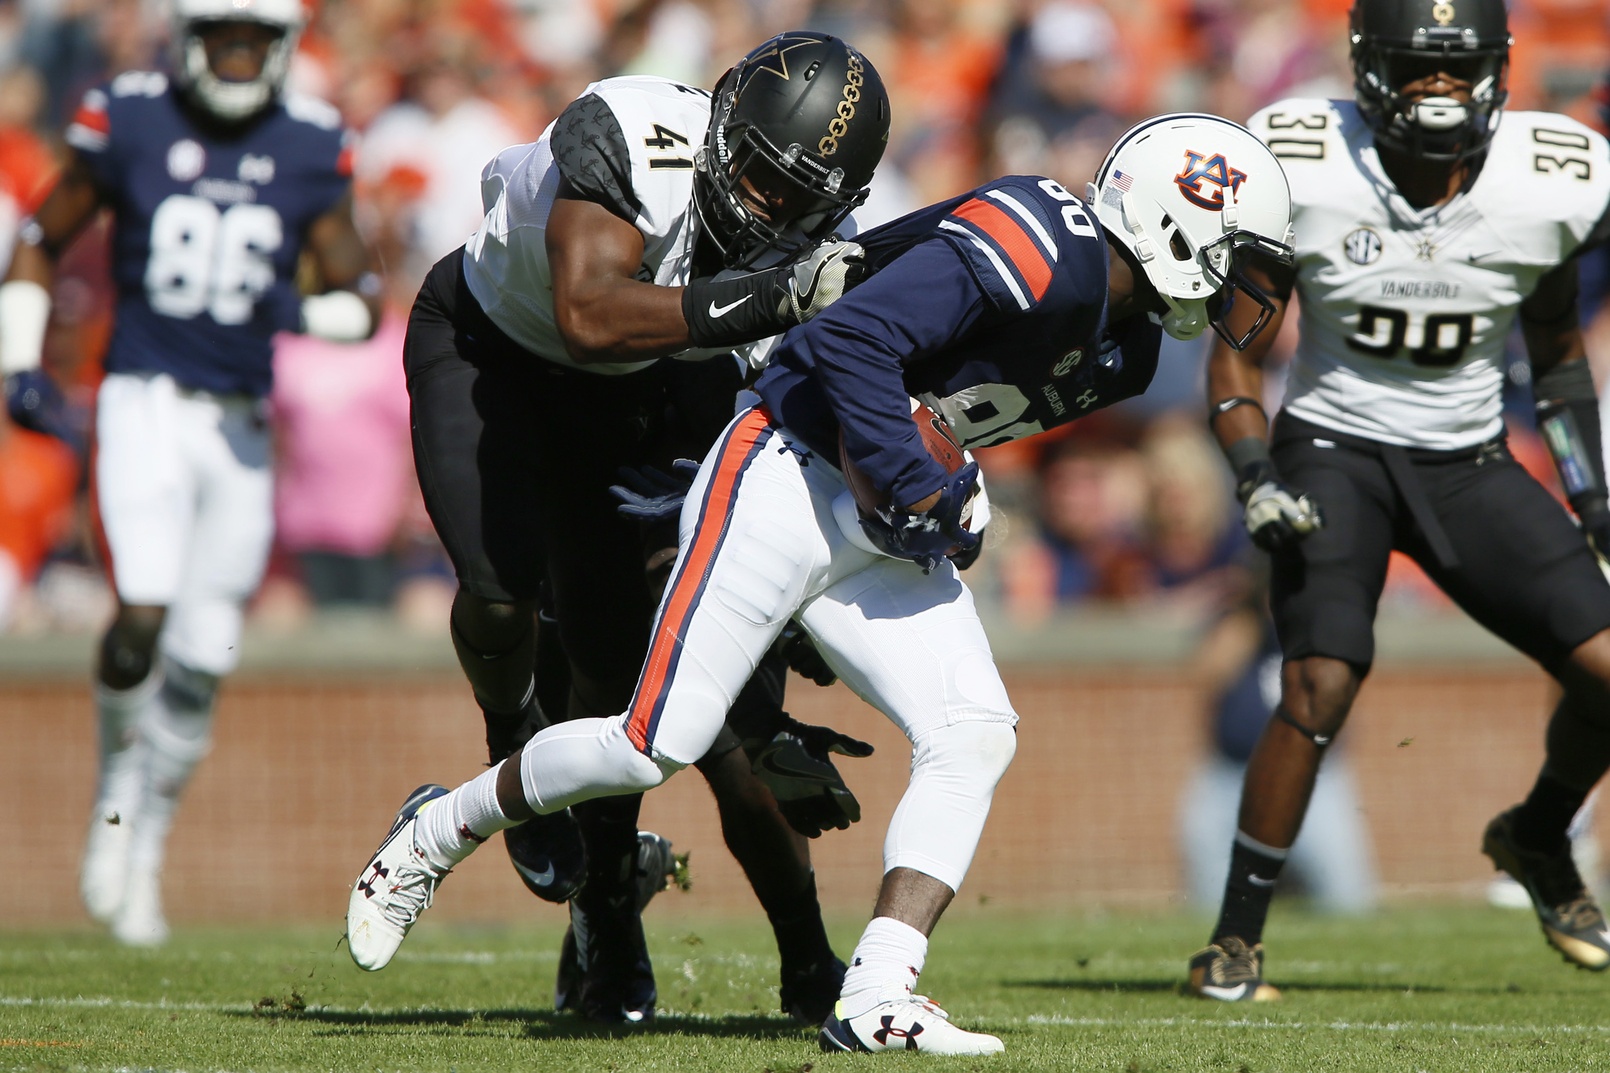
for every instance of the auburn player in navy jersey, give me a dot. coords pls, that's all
(1009, 310)
(218, 184)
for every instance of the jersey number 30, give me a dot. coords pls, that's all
(206, 260)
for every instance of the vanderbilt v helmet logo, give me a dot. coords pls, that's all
(1212, 170)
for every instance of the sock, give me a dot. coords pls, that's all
(176, 732)
(1545, 816)
(118, 713)
(887, 960)
(450, 827)
(1254, 868)
(801, 937)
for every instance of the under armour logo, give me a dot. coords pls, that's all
(1086, 399)
(882, 1035)
(375, 873)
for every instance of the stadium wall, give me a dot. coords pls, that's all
(316, 745)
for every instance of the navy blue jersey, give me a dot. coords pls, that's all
(991, 307)
(208, 226)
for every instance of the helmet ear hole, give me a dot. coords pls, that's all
(1178, 246)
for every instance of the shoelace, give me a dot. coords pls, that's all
(411, 894)
(1583, 914)
(1238, 965)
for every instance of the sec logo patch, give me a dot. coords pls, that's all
(1363, 246)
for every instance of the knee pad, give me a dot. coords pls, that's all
(973, 753)
(128, 651)
(490, 628)
(582, 759)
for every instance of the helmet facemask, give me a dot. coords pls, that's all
(736, 164)
(796, 130)
(1433, 128)
(229, 100)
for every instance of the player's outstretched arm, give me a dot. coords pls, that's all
(25, 294)
(1275, 515)
(348, 309)
(605, 313)
(1567, 403)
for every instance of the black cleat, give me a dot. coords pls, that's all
(809, 992)
(605, 973)
(1572, 921)
(547, 852)
(1230, 971)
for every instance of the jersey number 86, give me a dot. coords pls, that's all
(204, 259)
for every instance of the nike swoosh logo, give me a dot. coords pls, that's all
(717, 312)
(769, 763)
(541, 879)
(1260, 881)
(1226, 994)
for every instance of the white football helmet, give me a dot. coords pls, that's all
(1195, 198)
(233, 101)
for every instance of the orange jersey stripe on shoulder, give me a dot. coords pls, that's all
(1020, 247)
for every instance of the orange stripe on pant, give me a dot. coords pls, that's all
(1022, 250)
(692, 572)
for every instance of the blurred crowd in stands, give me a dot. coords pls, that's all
(1131, 507)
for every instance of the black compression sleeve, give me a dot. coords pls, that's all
(1568, 417)
(726, 312)
(1252, 465)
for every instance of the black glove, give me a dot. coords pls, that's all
(796, 765)
(652, 495)
(795, 646)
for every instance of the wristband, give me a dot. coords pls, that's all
(24, 315)
(1568, 418)
(339, 316)
(737, 309)
(1250, 460)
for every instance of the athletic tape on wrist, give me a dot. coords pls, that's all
(24, 315)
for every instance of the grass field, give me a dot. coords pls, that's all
(1466, 988)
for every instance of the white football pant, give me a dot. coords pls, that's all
(760, 545)
(184, 488)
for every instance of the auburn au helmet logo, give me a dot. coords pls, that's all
(1214, 170)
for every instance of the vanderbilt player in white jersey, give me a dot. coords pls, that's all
(1427, 222)
(650, 221)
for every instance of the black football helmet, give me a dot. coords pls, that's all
(1396, 42)
(804, 118)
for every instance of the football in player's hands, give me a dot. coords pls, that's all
(937, 437)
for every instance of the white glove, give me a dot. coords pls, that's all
(1277, 517)
(822, 276)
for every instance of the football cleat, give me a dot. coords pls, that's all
(611, 979)
(547, 853)
(1230, 971)
(139, 920)
(103, 877)
(395, 886)
(907, 1023)
(1572, 921)
(809, 992)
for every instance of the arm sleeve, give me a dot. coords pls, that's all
(919, 303)
(590, 151)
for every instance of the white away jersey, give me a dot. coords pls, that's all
(1404, 313)
(626, 142)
